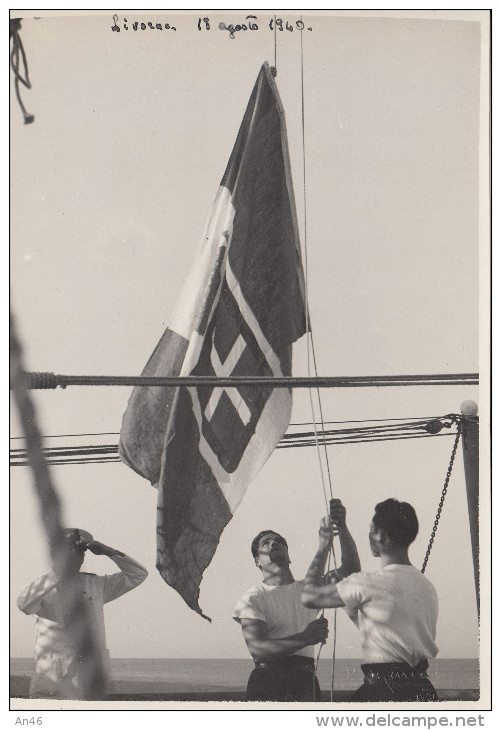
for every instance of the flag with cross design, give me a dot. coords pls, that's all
(239, 312)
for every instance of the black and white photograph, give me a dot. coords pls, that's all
(250, 362)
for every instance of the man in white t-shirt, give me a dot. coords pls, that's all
(279, 631)
(59, 671)
(397, 608)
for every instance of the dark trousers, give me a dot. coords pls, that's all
(395, 682)
(290, 679)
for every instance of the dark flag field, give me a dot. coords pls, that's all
(238, 314)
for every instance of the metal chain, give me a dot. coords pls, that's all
(442, 498)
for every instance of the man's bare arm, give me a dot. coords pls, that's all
(316, 595)
(264, 648)
(350, 562)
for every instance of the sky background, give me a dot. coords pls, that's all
(111, 188)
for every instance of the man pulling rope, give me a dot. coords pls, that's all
(279, 631)
(397, 608)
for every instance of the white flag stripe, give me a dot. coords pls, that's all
(252, 322)
(224, 370)
(272, 423)
(190, 301)
(270, 428)
(238, 402)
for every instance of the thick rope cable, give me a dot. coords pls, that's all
(37, 380)
(79, 626)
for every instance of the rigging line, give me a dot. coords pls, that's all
(292, 439)
(309, 333)
(70, 462)
(286, 436)
(275, 35)
(416, 426)
(334, 626)
(300, 423)
(322, 613)
(19, 458)
(89, 450)
(376, 420)
(110, 456)
(349, 434)
(354, 438)
(310, 328)
(347, 441)
(310, 343)
(369, 429)
(72, 435)
(342, 436)
(315, 430)
(321, 413)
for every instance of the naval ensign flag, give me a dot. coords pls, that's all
(239, 312)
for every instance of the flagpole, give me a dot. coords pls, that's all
(469, 429)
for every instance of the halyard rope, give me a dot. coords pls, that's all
(310, 349)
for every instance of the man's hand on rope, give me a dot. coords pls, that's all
(337, 514)
(325, 534)
(333, 576)
(316, 632)
(330, 526)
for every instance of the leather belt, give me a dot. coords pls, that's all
(295, 660)
(394, 671)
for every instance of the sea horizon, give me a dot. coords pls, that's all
(202, 674)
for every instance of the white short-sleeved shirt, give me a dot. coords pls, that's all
(58, 671)
(397, 612)
(280, 608)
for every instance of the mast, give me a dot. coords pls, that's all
(469, 426)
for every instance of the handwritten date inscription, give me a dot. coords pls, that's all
(138, 25)
(204, 24)
(276, 24)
